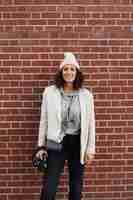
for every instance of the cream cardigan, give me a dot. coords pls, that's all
(50, 120)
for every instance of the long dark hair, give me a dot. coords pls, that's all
(78, 82)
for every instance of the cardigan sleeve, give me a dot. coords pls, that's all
(91, 139)
(43, 121)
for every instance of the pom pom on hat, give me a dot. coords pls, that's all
(69, 58)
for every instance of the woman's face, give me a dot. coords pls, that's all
(69, 73)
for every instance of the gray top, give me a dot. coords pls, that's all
(71, 114)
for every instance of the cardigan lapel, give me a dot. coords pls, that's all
(83, 111)
(58, 104)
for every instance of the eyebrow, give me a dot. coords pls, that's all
(70, 67)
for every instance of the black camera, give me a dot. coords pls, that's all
(41, 165)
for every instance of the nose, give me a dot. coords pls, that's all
(69, 71)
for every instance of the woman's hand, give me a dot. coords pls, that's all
(89, 158)
(42, 154)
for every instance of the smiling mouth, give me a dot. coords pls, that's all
(69, 77)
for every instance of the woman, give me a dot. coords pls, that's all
(67, 128)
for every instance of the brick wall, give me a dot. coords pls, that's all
(33, 36)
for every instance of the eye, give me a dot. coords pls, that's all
(65, 69)
(73, 69)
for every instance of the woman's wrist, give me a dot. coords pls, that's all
(41, 148)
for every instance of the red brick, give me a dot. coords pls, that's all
(50, 15)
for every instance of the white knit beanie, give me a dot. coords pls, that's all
(69, 58)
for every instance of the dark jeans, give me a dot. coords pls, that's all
(56, 161)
